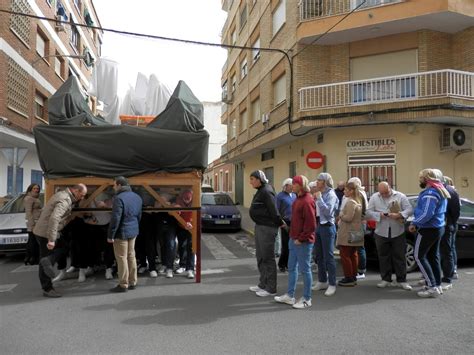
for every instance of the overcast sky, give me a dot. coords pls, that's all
(199, 66)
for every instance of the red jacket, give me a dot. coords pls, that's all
(303, 219)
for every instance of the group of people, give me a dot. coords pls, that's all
(313, 218)
(105, 237)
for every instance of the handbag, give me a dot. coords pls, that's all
(357, 236)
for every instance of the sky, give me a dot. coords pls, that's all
(200, 20)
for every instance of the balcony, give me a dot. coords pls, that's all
(311, 9)
(425, 85)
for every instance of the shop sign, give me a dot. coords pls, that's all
(371, 145)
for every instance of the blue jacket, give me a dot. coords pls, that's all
(430, 209)
(126, 215)
(284, 201)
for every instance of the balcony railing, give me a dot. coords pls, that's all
(441, 83)
(310, 9)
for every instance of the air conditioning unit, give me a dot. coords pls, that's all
(265, 117)
(59, 25)
(456, 138)
(227, 97)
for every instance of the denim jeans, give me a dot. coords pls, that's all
(362, 267)
(447, 249)
(185, 249)
(299, 261)
(427, 254)
(167, 238)
(324, 246)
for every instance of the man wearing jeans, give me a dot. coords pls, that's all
(123, 230)
(326, 206)
(267, 220)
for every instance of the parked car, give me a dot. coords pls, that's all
(206, 188)
(13, 233)
(218, 211)
(464, 236)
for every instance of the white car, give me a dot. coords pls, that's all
(13, 233)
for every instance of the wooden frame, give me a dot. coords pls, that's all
(162, 179)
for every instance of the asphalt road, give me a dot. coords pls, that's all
(220, 315)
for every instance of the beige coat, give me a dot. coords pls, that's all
(350, 219)
(32, 211)
(54, 215)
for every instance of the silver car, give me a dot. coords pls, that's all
(13, 233)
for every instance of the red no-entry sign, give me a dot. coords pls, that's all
(314, 160)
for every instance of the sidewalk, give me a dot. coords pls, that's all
(247, 224)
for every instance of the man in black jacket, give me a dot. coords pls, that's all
(267, 221)
(448, 241)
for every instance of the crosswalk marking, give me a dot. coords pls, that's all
(7, 287)
(214, 271)
(26, 268)
(217, 249)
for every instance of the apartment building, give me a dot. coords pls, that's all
(36, 57)
(380, 88)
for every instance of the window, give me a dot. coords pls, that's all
(233, 37)
(279, 90)
(243, 120)
(255, 110)
(77, 3)
(40, 102)
(268, 155)
(243, 68)
(233, 129)
(234, 83)
(224, 91)
(256, 52)
(292, 169)
(75, 39)
(59, 65)
(42, 44)
(19, 180)
(269, 174)
(279, 16)
(243, 16)
(37, 178)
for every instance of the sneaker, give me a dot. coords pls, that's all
(190, 274)
(383, 284)
(82, 275)
(346, 282)
(71, 269)
(142, 270)
(264, 293)
(446, 286)
(286, 298)
(89, 271)
(180, 270)
(153, 273)
(132, 287)
(109, 274)
(431, 292)
(360, 276)
(421, 282)
(330, 291)
(302, 303)
(51, 293)
(455, 276)
(47, 267)
(118, 288)
(320, 286)
(169, 274)
(162, 270)
(404, 285)
(255, 289)
(440, 289)
(60, 276)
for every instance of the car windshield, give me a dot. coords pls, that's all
(216, 200)
(16, 205)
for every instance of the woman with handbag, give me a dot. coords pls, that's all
(350, 234)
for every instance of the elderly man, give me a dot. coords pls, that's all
(284, 201)
(53, 218)
(390, 209)
(326, 206)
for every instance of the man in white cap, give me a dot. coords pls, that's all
(326, 206)
(284, 201)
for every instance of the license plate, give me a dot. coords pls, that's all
(19, 239)
(222, 221)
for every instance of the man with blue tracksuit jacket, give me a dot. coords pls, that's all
(429, 221)
(123, 230)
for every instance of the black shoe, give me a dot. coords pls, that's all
(47, 267)
(52, 293)
(283, 269)
(132, 287)
(347, 282)
(118, 288)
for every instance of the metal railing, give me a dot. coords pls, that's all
(440, 83)
(310, 9)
